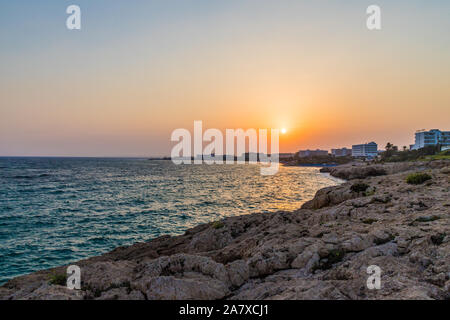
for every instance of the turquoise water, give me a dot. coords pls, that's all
(57, 210)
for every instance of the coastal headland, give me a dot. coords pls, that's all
(394, 216)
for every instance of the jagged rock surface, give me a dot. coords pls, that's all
(321, 251)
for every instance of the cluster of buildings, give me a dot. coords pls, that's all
(370, 150)
(367, 150)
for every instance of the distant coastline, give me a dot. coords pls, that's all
(315, 161)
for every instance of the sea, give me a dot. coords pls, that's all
(54, 211)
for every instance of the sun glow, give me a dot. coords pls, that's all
(283, 130)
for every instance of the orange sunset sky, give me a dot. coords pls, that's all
(137, 70)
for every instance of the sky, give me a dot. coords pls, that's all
(137, 70)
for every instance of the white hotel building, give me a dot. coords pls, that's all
(431, 138)
(342, 152)
(367, 150)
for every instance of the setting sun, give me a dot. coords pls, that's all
(283, 130)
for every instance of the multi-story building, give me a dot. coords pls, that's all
(367, 150)
(343, 152)
(431, 138)
(312, 153)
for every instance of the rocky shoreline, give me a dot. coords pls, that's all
(320, 251)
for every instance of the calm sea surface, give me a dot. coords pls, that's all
(58, 210)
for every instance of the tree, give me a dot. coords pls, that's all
(389, 146)
(391, 151)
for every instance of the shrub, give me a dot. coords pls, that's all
(359, 187)
(427, 218)
(58, 279)
(333, 256)
(418, 178)
(218, 224)
(438, 238)
(369, 221)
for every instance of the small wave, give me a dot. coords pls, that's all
(97, 239)
(43, 175)
(60, 251)
(207, 203)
